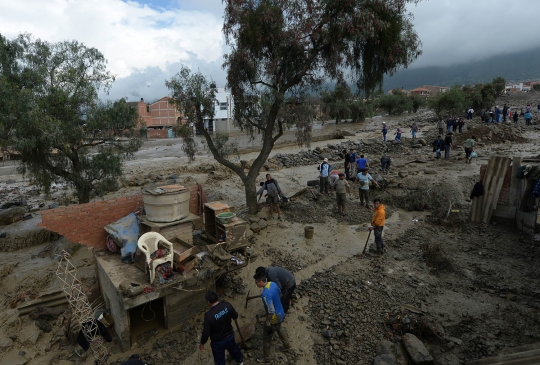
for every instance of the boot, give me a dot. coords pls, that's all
(284, 337)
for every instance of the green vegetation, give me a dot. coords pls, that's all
(456, 101)
(399, 102)
(281, 51)
(341, 104)
(51, 114)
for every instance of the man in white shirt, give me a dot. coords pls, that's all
(363, 191)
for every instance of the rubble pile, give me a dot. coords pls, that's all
(289, 261)
(314, 207)
(333, 152)
(493, 133)
(347, 312)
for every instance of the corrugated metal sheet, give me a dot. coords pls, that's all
(484, 206)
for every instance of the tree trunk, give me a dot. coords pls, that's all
(251, 194)
(83, 194)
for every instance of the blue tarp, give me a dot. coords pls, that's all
(125, 233)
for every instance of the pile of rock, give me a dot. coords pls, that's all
(346, 313)
(333, 152)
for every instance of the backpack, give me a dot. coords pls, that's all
(272, 189)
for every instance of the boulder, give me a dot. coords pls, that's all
(263, 224)
(416, 350)
(43, 325)
(403, 174)
(11, 215)
(422, 141)
(255, 227)
(385, 359)
(385, 347)
(5, 342)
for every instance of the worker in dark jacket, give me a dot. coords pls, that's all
(217, 326)
(284, 279)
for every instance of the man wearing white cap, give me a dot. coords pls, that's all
(324, 173)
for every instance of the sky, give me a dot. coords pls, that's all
(147, 41)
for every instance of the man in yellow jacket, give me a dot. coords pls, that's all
(377, 224)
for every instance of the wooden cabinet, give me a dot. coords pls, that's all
(233, 233)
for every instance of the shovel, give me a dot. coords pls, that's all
(365, 246)
(244, 344)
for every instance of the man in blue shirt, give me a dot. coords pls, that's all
(285, 281)
(363, 190)
(274, 314)
(361, 163)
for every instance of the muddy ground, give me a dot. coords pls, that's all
(474, 297)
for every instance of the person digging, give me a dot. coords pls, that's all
(274, 315)
(377, 224)
(218, 327)
(273, 192)
(285, 281)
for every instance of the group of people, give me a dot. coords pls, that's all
(496, 115)
(278, 286)
(356, 169)
(451, 125)
(338, 182)
(414, 132)
(447, 143)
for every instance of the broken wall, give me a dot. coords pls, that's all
(83, 223)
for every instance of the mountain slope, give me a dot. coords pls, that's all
(515, 66)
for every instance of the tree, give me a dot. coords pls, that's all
(479, 96)
(417, 102)
(499, 85)
(57, 123)
(337, 103)
(359, 110)
(536, 87)
(280, 50)
(451, 102)
(395, 103)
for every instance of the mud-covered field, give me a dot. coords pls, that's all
(467, 291)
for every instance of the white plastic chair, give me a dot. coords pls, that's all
(148, 244)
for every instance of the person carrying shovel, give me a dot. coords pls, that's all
(377, 224)
(217, 326)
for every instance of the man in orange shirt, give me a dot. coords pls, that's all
(377, 224)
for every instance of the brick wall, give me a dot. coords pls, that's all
(504, 196)
(84, 223)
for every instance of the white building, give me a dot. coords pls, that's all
(223, 114)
